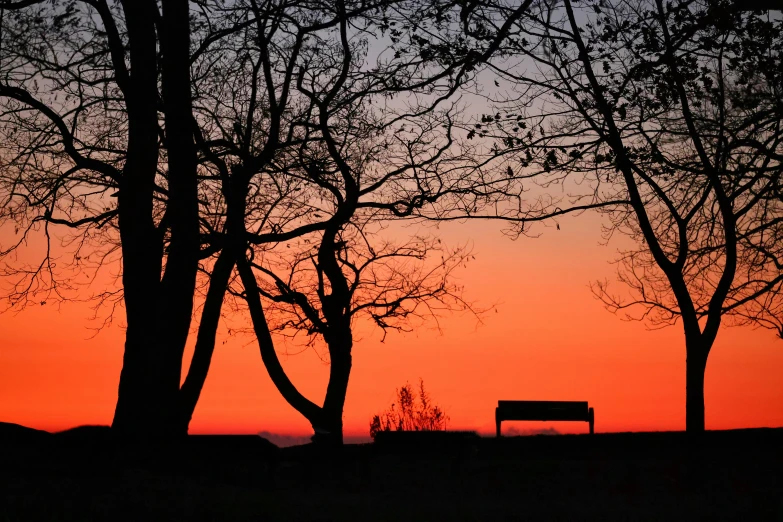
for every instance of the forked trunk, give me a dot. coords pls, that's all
(141, 408)
(158, 310)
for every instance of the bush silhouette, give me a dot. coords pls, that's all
(410, 412)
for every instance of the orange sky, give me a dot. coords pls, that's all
(550, 340)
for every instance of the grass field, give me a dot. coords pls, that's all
(726, 475)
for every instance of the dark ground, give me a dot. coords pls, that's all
(83, 475)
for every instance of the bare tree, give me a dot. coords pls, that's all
(82, 87)
(303, 148)
(667, 119)
(248, 118)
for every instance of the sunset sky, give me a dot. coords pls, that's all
(550, 339)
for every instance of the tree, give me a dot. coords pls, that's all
(667, 119)
(304, 149)
(85, 149)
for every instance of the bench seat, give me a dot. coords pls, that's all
(543, 411)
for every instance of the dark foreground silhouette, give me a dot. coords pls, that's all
(84, 474)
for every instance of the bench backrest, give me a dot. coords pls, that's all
(541, 410)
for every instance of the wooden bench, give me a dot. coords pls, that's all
(543, 411)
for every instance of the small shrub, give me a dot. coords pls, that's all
(410, 412)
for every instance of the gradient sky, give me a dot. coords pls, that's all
(549, 340)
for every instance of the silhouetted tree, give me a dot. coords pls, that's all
(252, 119)
(303, 143)
(98, 139)
(665, 117)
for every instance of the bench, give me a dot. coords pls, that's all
(543, 411)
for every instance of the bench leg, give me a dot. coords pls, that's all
(591, 417)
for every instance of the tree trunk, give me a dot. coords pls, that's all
(158, 309)
(329, 428)
(175, 305)
(267, 348)
(695, 366)
(205, 342)
(138, 413)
